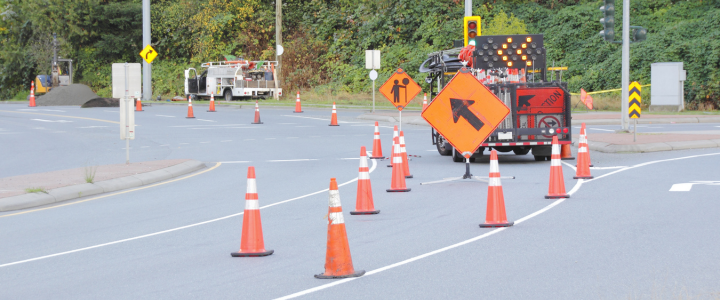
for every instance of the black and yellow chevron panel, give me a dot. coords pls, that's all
(634, 100)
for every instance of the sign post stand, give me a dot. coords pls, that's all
(126, 79)
(372, 62)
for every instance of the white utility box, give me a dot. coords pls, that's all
(666, 91)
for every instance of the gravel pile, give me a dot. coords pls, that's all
(74, 94)
(102, 102)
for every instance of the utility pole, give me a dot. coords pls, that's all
(624, 120)
(147, 71)
(278, 36)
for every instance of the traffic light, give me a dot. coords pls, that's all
(608, 20)
(472, 29)
(639, 34)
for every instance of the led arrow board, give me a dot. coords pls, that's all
(510, 51)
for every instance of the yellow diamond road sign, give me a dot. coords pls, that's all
(148, 54)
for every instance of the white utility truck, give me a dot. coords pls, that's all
(233, 79)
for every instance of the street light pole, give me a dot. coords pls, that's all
(147, 68)
(624, 120)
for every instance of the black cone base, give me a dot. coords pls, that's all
(397, 190)
(409, 176)
(189, 117)
(378, 157)
(557, 196)
(251, 254)
(567, 158)
(333, 125)
(297, 112)
(493, 225)
(356, 274)
(369, 212)
(257, 123)
(211, 111)
(583, 177)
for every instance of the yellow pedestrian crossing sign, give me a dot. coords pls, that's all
(634, 100)
(148, 54)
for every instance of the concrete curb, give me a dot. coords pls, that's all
(89, 189)
(648, 121)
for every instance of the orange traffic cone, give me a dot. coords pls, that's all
(583, 139)
(190, 109)
(424, 102)
(557, 182)
(403, 154)
(565, 152)
(364, 203)
(338, 261)
(394, 140)
(333, 119)
(32, 94)
(298, 106)
(377, 147)
(252, 243)
(257, 114)
(398, 174)
(138, 105)
(583, 166)
(212, 103)
(495, 214)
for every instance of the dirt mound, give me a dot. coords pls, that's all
(74, 94)
(102, 102)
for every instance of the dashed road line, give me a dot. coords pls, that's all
(286, 160)
(166, 116)
(61, 116)
(225, 141)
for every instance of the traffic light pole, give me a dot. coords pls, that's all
(147, 68)
(624, 120)
(468, 8)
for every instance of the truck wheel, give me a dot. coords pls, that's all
(228, 95)
(457, 157)
(521, 150)
(442, 147)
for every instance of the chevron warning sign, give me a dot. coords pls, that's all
(634, 100)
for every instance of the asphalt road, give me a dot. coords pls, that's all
(621, 235)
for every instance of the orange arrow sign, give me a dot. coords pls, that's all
(465, 112)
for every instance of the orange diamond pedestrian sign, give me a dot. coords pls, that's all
(465, 112)
(400, 89)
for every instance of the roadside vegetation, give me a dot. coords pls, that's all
(35, 190)
(325, 40)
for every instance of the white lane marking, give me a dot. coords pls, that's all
(112, 111)
(351, 158)
(292, 137)
(206, 120)
(686, 187)
(225, 141)
(248, 139)
(287, 123)
(569, 165)
(271, 138)
(93, 127)
(204, 142)
(303, 126)
(236, 162)
(412, 259)
(165, 116)
(145, 147)
(649, 163)
(240, 127)
(315, 136)
(364, 125)
(284, 160)
(607, 168)
(51, 121)
(207, 125)
(577, 186)
(602, 129)
(164, 145)
(201, 128)
(430, 150)
(321, 119)
(374, 164)
(29, 109)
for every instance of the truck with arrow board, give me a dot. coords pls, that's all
(514, 69)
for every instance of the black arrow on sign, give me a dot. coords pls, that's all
(460, 108)
(634, 112)
(634, 101)
(525, 100)
(634, 90)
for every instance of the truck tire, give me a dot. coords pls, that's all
(445, 149)
(228, 95)
(521, 150)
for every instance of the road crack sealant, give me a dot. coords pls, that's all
(374, 165)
